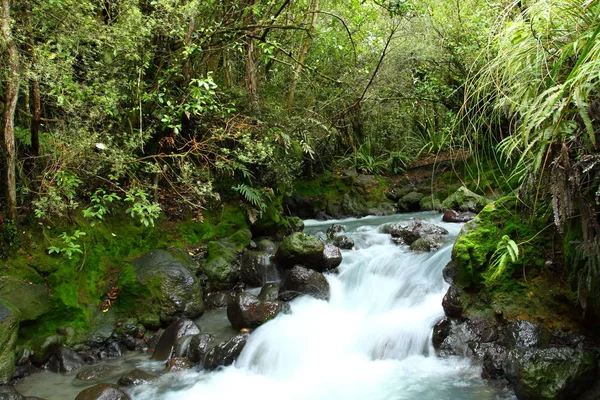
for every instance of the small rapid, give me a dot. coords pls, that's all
(371, 340)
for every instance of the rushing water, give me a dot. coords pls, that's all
(371, 340)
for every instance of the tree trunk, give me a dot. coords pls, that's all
(37, 115)
(251, 79)
(8, 119)
(291, 97)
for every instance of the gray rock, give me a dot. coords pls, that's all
(269, 292)
(218, 299)
(410, 202)
(332, 258)
(451, 302)
(458, 217)
(303, 281)
(409, 233)
(524, 335)
(177, 364)
(65, 360)
(427, 243)
(258, 268)
(441, 330)
(95, 373)
(225, 353)
(343, 242)
(465, 200)
(103, 391)
(199, 347)
(247, 311)
(166, 344)
(135, 378)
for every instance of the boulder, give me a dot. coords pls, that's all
(409, 233)
(335, 230)
(199, 347)
(410, 202)
(218, 299)
(441, 330)
(451, 302)
(267, 246)
(300, 248)
(32, 300)
(343, 242)
(225, 353)
(95, 373)
(465, 200)
(524, 335)
(9, 327)
(135, 378)
(222, 264)
(103, 391)
(163, 287)
(552, 373)
(247, 311)
(43, 348)
(177, 364)
(427, 243)
(332, 258)
(65, 360)
(269, 292)
(258, 268)
(303, 281)
(430, 203)
(166, 343)
(458, 217)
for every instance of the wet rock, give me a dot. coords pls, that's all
(343, 242)
(449, 272)
(217, 299)
(409, 233)
(465, 200)
(455, 216)
(166, 344)
(267, 246)
(410, 202)
(269, 292)
(44, 347)
(427, 243)
(135, 378)
(95, 373)
(493, 359)
(153, 339)
(225, 353)
(114, 348)
(65, 360)
(10, 393)
(182, 346)
(553, 373)
(303, 281)
(524, 335)
(300, 248)
(332, 258)
(247, 311)
(257, 268)
(458, 341)
(441, 330)
(222, 264)
(9, 327)
(335, 230)
(177, 364)
(171, 290)
(32, 300)
(103, 391)
(451, 302)
(199, 347)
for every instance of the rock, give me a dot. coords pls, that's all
(441, 330)
(166, 343)
(427, 243)
(332, 258)
(165, 287)
(430, 203)
(343, 242)
(218, 299)
(257, 268)
(103, 391)
(95, 373)
(222, 264)
(334, 230)
(225, 353)
(455, 216)
(303, 281)
(135, 378)
(32, 300)
(177, 364)
(493, 358)
(9, 328)
(114, 348)
(44, 347)
(269, 292)
(182, 346)
(10, 393)
(198, 347)
(267, 246)
(451, 303)
(274, 226)
(524, 335)
(65, 360)
(300, 248)
(465, 200)
(410, 202)
(247, 311)
(413, 231)
(449, 272)
(553, 373)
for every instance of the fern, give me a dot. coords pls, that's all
(506, 250)
(257, 197)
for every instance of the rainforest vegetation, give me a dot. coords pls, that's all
(156, 110)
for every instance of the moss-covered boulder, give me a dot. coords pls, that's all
(32, 300)
(465, 200)
(159, 286)
(553, 373)
(410, 202)
(222, 264)
(300, 248)
(427, 243)
(430, 203)
(9, 328)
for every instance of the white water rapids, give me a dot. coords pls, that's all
(371, 341)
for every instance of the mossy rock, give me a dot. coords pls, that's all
(156, 283)
(32, 300)
(222, 264)
(410, 202)
(9, 328)
(465, 200)
(430, 203)
(300, 248)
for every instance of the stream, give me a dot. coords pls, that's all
(371, 340)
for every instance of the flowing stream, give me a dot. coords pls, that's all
(371, 340)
